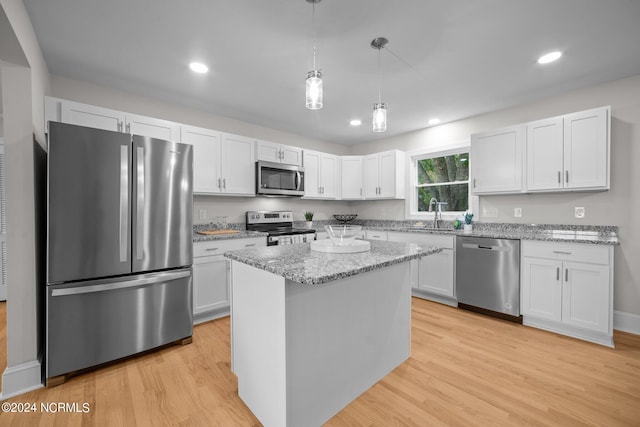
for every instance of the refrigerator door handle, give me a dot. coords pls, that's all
(140, 281)
(124, 202)
(140, 203)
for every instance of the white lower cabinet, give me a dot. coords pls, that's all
(568, 288)
(211, 278)
(432, 275)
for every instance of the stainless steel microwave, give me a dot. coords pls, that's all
(276, 179)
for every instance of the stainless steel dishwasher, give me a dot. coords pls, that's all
(488, 276)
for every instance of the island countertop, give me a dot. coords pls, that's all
(300, 264)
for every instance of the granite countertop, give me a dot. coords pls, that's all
(243, 234)
(300, 264)
(590, 235)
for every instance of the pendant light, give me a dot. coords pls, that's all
(379, 108)
(314, 77)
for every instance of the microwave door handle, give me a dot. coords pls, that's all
(298, 180)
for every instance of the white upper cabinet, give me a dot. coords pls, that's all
(238, 165)
(279, 153)
(222, 163)
(206, 158)
(569, 152)
(151, 127)
(545, 154)
(383, 176)
(320, 171)
(61, 110)
(496, 161)
(75, 113)
(352, 177)
(586, 149)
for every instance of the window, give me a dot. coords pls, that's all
(441, 177)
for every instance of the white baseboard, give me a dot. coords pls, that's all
(626, 322)
(20, 379)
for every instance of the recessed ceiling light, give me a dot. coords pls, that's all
(434, 121)
(198, 67)
(355, 122)
(549, 57)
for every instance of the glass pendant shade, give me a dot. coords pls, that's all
(314, 90)
(380, 117)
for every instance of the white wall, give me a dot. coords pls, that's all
(25, 81)
(617, 206)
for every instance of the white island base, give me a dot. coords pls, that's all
(303, 352)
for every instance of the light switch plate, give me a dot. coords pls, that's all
(579, 212)
(203, 214)
(517, 212)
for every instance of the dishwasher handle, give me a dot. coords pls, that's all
(485, 247)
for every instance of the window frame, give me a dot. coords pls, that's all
(411, 200)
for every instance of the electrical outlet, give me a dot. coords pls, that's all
(490, 212)
(579, 212)
(203, 214)
(517, 212)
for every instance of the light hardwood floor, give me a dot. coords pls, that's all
(465, 370)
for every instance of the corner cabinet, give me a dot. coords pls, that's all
(278, 153)
(569, 152)
(568, 289)
(320, 175)
(384, 175)
(496, 161)
(351, 170)
(211, 278)
(223, 164)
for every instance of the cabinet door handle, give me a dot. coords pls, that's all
(562, 253)
(559, 177)
(128, 127)
(558, 273)
(566, 176)
(566, 274)
(119, 126)
(224, 183)
(474, 183)
(219, 183)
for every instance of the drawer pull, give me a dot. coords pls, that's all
(249, 245)
(211, 249)
(562, 253)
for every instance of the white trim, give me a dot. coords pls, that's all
(21, 379)
(626, 322)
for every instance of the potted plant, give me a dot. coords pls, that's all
(309, 217)
(468, 217)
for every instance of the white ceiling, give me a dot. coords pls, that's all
(448, 59)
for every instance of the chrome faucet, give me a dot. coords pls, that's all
(434, 202)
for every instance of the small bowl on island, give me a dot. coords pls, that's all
(343, 235)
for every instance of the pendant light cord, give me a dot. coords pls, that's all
(379, 78)
(313, 20)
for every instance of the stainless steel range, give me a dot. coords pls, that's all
(279, 225)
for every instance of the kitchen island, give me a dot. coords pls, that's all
(312, 331)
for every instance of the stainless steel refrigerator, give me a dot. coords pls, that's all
(119, 246)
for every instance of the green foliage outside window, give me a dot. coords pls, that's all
(440, 178)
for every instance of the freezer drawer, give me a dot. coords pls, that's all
(93, 322)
